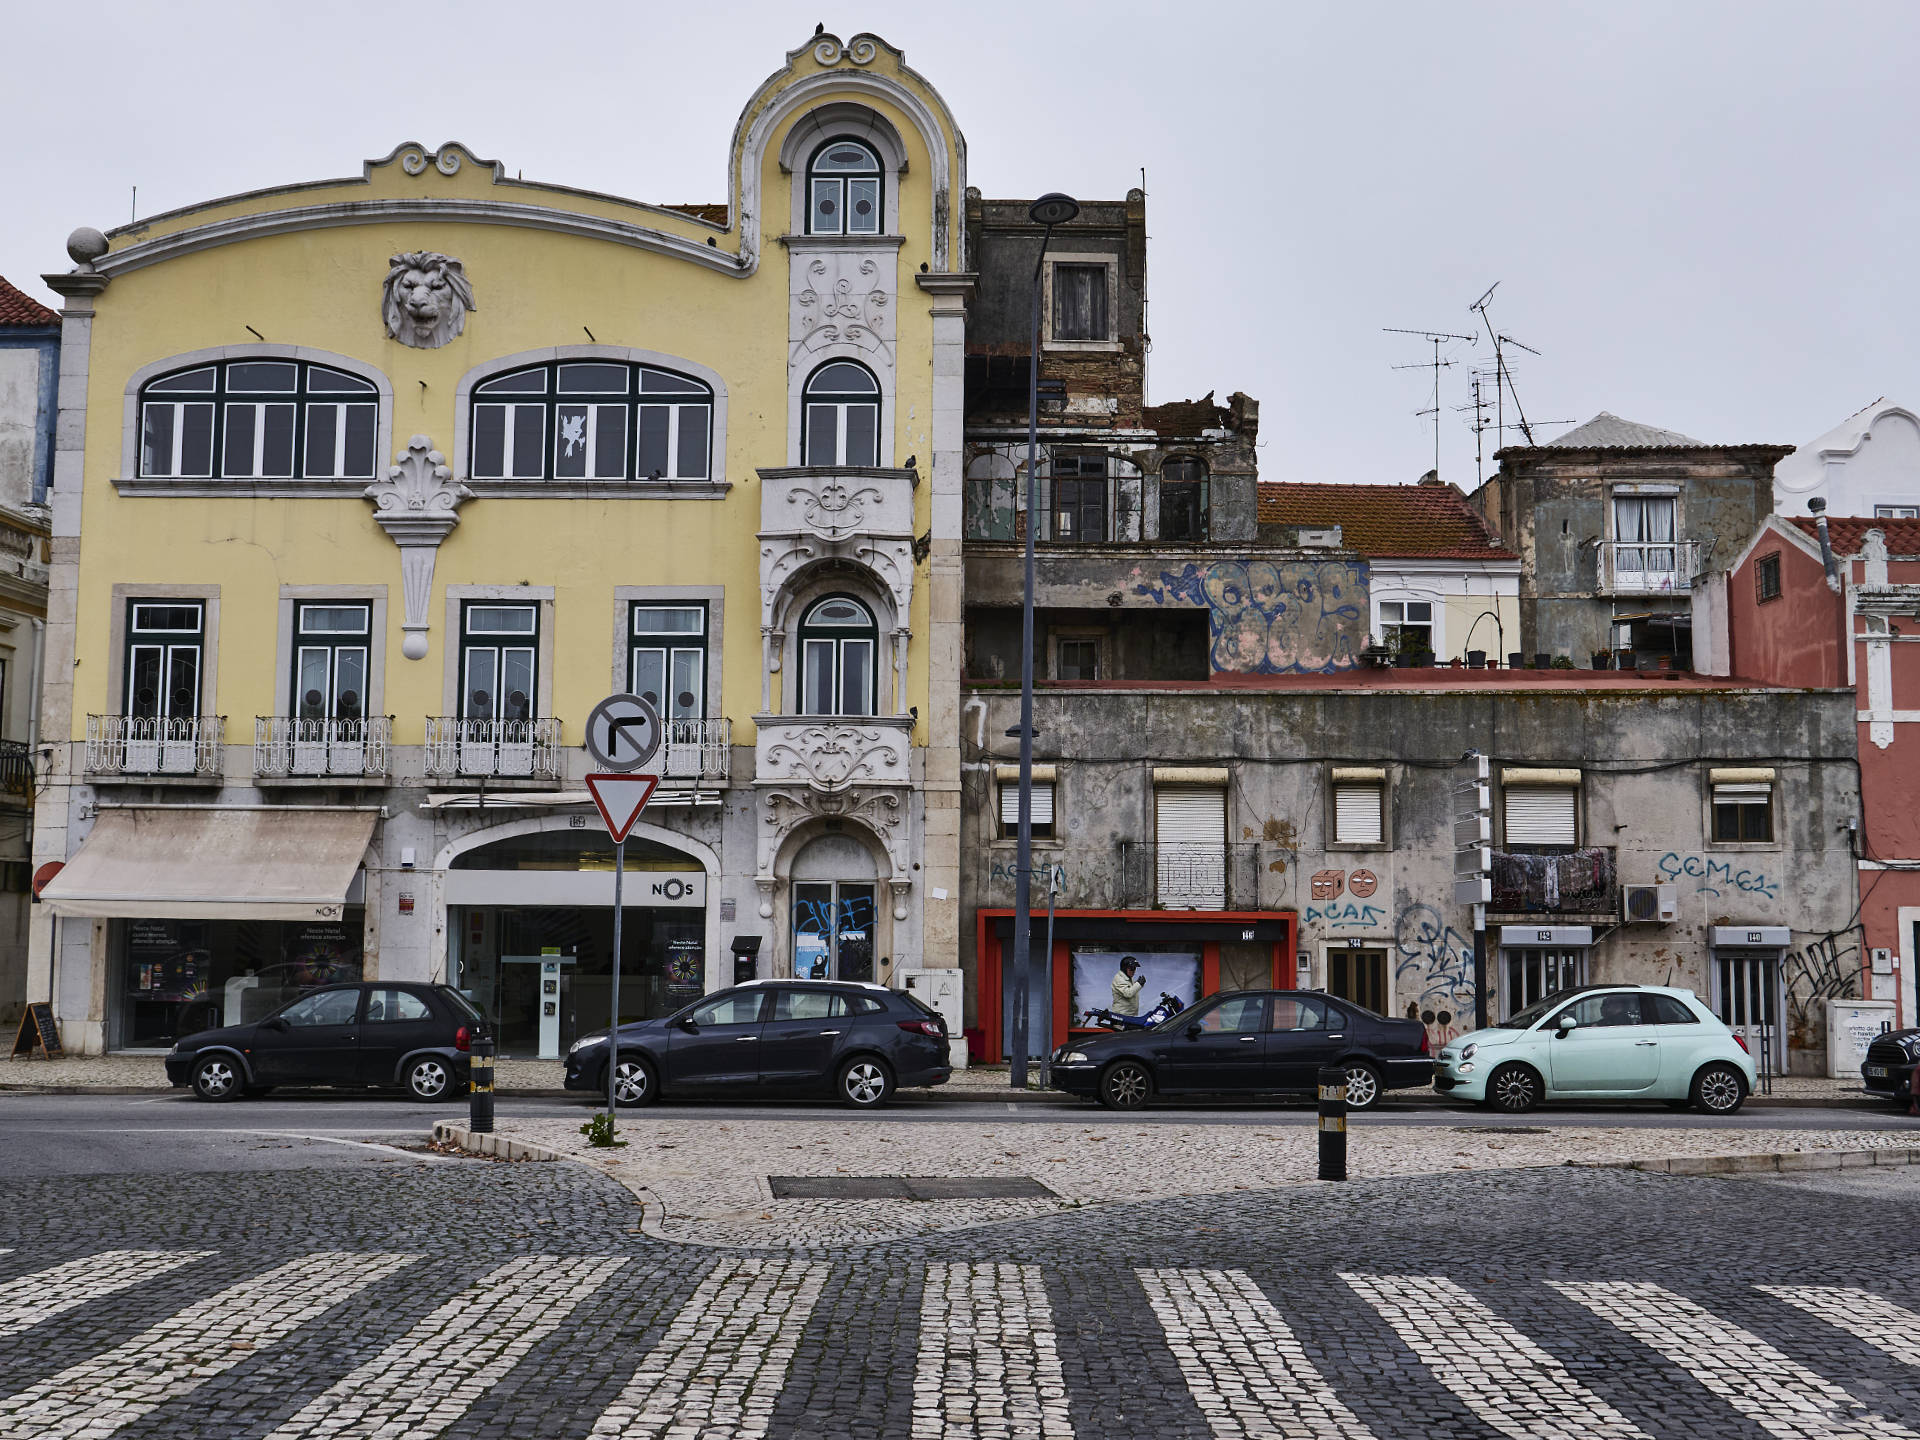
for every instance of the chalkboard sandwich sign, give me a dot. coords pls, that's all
(38, 1033)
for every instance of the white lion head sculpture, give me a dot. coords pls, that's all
(426, 299)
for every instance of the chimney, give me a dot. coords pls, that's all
(1819, 509)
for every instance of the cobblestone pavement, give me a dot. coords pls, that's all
(706, 1177)
(488, 1300)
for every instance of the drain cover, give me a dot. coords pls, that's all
(907, 1187)
(1501, 1130)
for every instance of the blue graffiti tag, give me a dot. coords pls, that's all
(1713, 873)
(1346, 916)
(1269, 618)
(1434, 952)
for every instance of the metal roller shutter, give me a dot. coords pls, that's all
(1541, 815)
(1190, 830)
(1042, 804)
(1356, 814)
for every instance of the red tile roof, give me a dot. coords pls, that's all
(18, 309)
(712, 214)
(1848, 533)
(1407, 521)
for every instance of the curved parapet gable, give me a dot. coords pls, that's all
(418, 183)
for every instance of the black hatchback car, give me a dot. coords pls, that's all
(1249, 1042)
(852, 1041)
(374, 1035)
(1888, 1068)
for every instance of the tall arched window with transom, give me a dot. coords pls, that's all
(842, 416)
(839, 645)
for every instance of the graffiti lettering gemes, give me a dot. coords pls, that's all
(1713, 874)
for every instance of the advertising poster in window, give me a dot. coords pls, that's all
(686, 969)
(809, 955)
(167, 959)
(1172, 972)
(321, 954)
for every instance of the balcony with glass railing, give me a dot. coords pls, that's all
(463, 749)
(130, 747)
(355, 751)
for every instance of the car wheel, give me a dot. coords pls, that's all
(1364, 1086)
(429, 1078)
(1126, 1086)
(217, 1078)
(634, 1083)
(865, 1083)
(1514, 1089)
(1718, 1090)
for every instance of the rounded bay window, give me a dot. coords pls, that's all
(839, 648)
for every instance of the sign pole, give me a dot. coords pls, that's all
(613, 1024)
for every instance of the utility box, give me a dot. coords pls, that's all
(1853, 1025)
(939, 990)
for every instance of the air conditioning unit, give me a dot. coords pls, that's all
(1649, 904)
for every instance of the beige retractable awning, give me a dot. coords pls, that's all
(176, 863)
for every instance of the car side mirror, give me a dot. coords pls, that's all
(1566, 1024)
(688, 1024)
(1194, 1032)
(278, 1022)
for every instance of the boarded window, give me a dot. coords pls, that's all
(1358, 813)
(1542, 815)
(1080, 302)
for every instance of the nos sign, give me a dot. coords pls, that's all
(679, 888)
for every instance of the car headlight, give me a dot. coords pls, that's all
(580, 1045)
(1465, 1067)
(1074, 1057)
(1466, 1052)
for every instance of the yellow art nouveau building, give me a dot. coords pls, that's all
(366, 490)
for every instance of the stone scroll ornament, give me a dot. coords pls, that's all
(425, 299)
(417, 506)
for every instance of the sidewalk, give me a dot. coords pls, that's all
(108, 1074)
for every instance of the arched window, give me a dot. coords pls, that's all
(259, 419)
(844, 190)
(839, 644)
(591, 420)
(1183, 499)
(842, 416)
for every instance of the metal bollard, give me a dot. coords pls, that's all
(480, 1091)
(1333, 1123)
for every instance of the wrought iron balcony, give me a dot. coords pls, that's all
(696, 749)
(1639, 567)
(1571, 882)
(16, 769)
(458, 748)
(1190, 877)
(286, 748)
(126, 746)
(831, 752)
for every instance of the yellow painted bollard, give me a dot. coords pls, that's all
(480, 1091)
(1333, 1123)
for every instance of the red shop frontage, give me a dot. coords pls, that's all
(1187, 953)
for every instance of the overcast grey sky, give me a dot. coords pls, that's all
(1704, 215)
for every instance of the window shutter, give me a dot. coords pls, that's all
(1357, 814)
(1541, 815)
(1190, 828)
(1042, 804)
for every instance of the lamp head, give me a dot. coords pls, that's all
(1053, 208)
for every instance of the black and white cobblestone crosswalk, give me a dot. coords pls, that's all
(987, 1352)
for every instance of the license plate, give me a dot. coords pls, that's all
(1878, 1072)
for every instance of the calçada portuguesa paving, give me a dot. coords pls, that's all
(414, 1295)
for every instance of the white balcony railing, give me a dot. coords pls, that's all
(1638, 567)
(831, 752)
(286, 748)
(506, 749)
(177, 745)
(696, 749)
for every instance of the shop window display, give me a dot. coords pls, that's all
(1177, 972)
(181, 976)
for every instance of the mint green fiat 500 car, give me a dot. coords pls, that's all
(1602, 1042)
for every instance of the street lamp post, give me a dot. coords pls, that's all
(1049, 210)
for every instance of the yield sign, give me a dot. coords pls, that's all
(620, 799)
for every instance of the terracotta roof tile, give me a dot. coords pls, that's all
(19, 309)
(1410, 521)
(1848, 533)
(712, 214)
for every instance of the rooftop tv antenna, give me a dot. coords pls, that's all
(1437, 338)
(1503, 377)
